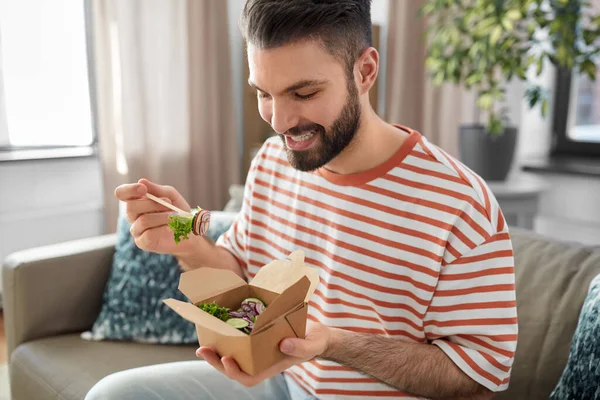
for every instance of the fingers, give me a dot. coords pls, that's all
(148, 240)
(159, 190)
(233, 371)
(230, 368)
(153, 239)
(136, 208)
(165, 191)
(227, 366)
(212, 358)
(130, 191)
(149, 221)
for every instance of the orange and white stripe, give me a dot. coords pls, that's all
(415, 249)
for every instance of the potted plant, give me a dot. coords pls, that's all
(483, 44)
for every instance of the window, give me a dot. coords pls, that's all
(44, 82)
(577, 111)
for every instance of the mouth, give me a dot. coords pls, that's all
(301, 142)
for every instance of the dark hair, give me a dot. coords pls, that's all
(342, 26)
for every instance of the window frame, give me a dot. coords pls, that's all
(89, 31)
(562, 145)
(564, 103)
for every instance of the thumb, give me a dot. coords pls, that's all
(299, 348)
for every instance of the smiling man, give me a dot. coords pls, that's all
(416, 296)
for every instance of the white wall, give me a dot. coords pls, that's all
(48, 201)
(569, 209)
(535, 130)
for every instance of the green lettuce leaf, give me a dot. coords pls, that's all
(213, 309)
(182, 226)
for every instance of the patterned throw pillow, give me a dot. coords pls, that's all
(581, 377)
(132, 307)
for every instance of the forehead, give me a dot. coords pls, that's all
(276, 68)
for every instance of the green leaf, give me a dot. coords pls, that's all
(589, 37)
(433, 64)
(495, 126)
(540, 66)
(513, 14)
(438, 79)
(495, 35)
(588, 67)
(545, 105)
(533, 95)
(473, 78)
(561, 55)
(485, 101)
(485, 24)
(215, 310)
(507, 24)
(181, 227)
(452, 66)
(555, 25)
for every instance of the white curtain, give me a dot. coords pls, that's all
(164, 98)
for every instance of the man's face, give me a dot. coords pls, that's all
(304, 93)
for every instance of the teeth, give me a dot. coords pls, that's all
(304, 137)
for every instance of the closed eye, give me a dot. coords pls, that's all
(306, 96)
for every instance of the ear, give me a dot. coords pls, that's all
(368, 68)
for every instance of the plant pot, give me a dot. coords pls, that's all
(490, 156)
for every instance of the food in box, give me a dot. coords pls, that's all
(284, 286)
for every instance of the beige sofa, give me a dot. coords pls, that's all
(51, 294)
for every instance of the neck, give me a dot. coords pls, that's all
(375, 142)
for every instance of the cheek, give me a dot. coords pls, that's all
(323, 112)
(319, 111)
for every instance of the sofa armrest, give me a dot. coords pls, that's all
(55, 289)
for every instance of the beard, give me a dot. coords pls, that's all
(332, 141)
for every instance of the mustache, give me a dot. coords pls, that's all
(298, 130)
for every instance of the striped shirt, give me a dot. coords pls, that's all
(416, 249)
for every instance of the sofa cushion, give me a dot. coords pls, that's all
(66, 367)
(132, 307)
(581, 377)
(551, 282)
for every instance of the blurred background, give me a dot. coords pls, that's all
(95, 93)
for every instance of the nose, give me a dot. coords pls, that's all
(283, 117)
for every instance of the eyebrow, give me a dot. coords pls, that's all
(296, 86)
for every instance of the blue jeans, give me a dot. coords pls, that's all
(190, 380)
